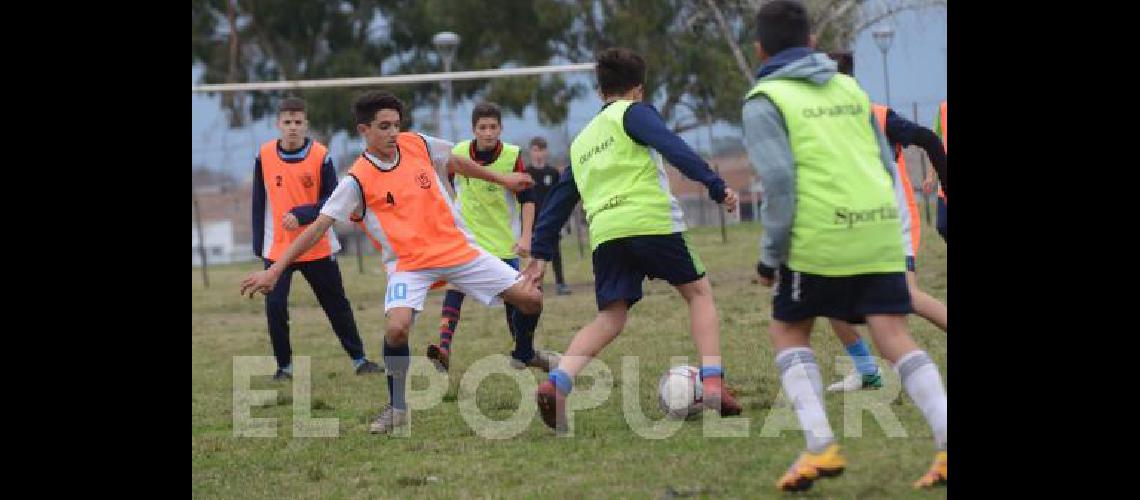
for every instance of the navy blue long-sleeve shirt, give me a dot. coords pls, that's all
(645, 126)
(305, 214)
(903, 132)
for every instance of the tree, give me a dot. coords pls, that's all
(494, 34)
(699, 52)
(835, 23)
(684, 75)
(260, 40)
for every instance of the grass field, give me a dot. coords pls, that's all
(444, 457)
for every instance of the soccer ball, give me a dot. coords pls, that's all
(680, 393)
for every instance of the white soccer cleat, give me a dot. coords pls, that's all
(855, 381)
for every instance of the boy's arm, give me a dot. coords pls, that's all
(514, 181)
(769, 150)
(526, 199)
(559, 204)
(345, 200)
(306, 214)
(644, 125)
(905, 132)
(522, 247)
(258, 208)
(263, 281)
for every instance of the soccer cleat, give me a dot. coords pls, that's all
(936, 476)
(563, 289)
(855, 381)
(551, 406)
(439, 357)
(369, 367)
(388, 420)
(547, 360)
(282, 375)
(717, 397)
(812, 466)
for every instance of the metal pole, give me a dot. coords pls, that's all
(201, 237)
(450, 104)
(716, 168)
(887, 78)
(372, 81)
(438, 115)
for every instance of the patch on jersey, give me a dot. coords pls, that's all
(306, 181)
(423, 179)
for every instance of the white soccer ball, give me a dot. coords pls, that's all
(680, 393)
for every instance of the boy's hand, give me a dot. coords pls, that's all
(290, 222)
(535, 271)
(730, 200)
(766, 274)
(261, 281)
(522, 247)
(518, 181)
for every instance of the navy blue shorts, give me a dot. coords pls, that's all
(621, 265)
(799, 296)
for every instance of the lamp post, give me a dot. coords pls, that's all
(884, 35)
(446, 44)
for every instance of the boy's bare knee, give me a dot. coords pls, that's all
(397, 333)
(531, 302)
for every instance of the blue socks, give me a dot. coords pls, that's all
(711, 371)
(562, 381)
(861, 355)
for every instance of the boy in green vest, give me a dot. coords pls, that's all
(636, 228)
(492, 215)
(832, 231)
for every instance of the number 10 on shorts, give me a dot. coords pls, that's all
(397, 291)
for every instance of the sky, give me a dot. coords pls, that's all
(916, 61)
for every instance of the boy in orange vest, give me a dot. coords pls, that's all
(394, 192)
(293, 176)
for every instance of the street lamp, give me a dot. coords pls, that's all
(884, 35)
(446, 43)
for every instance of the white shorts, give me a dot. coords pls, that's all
(484, 278)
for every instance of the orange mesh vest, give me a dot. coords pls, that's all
(408, 214)
(286, 186)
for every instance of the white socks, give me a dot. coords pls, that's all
(924, 385)
(803, 385)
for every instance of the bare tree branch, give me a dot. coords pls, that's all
(895, 9)
(832, 15)
(728, 38)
